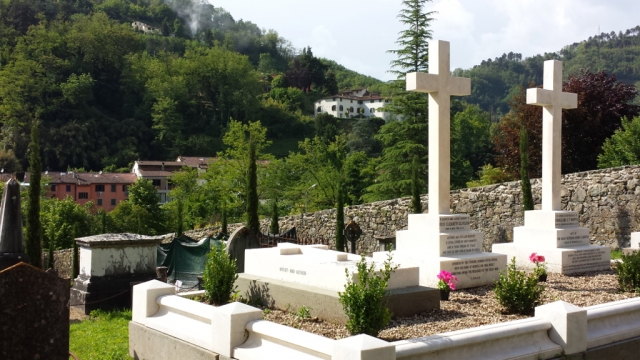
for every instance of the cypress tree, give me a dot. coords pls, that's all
(50, 262)
(340, 219)
(274, 228)
(527, 196)
(34, 227)
(416, 205)
(223, 226)
(179, 213)
(75, 263)
(103, 217)
(252, 189)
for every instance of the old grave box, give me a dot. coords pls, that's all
(109, 265)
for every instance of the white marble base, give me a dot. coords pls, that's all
(471, 269)
(572, 260)
(316, 265)
(557, 236)
(436, 242)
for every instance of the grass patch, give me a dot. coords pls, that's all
(616, 254)
(104, 336)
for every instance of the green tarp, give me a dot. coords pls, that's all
(185, 258)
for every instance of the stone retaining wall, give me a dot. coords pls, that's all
(607, 201)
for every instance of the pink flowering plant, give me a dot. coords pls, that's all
(447, 281)
(541, 266)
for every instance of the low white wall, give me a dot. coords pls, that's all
(613, 322)
(485, 342)
(237, 330)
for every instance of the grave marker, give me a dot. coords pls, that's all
(439, 240)
(552, 232)
(34, 314)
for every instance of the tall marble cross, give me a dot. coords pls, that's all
(441, 86)
(553, 100)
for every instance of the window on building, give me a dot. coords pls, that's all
(83, 195)
(359, 101)
(372, 101)
(351, 109)
(156, 182)
(372, 110)
(99, 187)
(333, 108)
(124, 188)
(113, 202)
(319, 109)
(351, 101)
(113, 188)
(341, 108)
(99, 202)
(334, 99)
(53, 188)
(68, 188)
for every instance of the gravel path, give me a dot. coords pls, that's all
(473, 307)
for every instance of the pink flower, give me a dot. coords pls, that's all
(447, 280)
(535, 258)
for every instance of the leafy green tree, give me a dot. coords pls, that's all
(144, 194)
(623, 147)
(64, 220)
(245, 144)
(34, 226)
(326, 127)
(489, 175)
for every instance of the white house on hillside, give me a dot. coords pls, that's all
(351, 103)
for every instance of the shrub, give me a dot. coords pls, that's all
(517, 291)
(364, 301)
(219, 276)
(628, 272)
(304, 312)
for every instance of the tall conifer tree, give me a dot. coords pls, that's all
(34, 227)
(416, 205)
(252, 188)
(407, 137)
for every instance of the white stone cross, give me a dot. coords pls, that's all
(553, 100)
(441, 86)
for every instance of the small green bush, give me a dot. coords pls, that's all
(518, 291)
(364, 301)
(304, 312)
(628, 272)
(219, 276)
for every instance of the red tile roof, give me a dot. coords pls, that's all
(86, 178)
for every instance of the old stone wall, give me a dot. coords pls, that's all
(607, 201)
(62, 261)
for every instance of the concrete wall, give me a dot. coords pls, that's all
(607, 201)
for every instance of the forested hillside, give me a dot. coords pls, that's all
(107, 93)
(495, 82)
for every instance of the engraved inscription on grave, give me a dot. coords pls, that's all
(563, 220)
(586, 260)
(474, 268)
(293, 271)
(574, 238)
(454, 223)
(461, 244)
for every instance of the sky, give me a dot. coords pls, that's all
(357, 33)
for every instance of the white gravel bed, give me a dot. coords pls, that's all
(472, 307)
